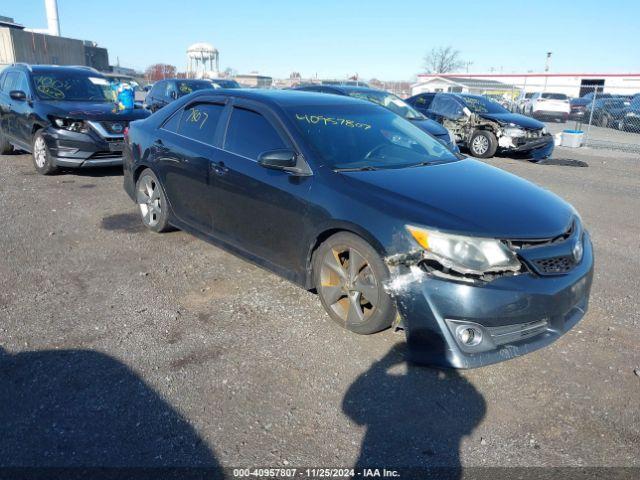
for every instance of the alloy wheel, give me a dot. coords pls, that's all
(348, 285)
(40, 152)
(480, 145)
(148, 198)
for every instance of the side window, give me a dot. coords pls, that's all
(171, 91)
(446, 106)
(423, 101)
(10, 82)
(173, 122)
(199, 122)
(22, 84)
(249, 134)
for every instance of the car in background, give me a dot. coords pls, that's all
(605, 112)
(166, 91)
(393, 103)
(630, 118)
(579, 105)
(549, 105)
(347, 198)
(522, 101)
(483, 126)
(63, 116)
(224, 83)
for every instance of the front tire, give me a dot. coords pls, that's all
(152, 202)
(349, 276)
(5, 146)
(42, 160)
(483, 144)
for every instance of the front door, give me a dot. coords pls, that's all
(260, 210)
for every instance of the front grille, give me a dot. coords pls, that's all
(114, 128)
(555, 264)
(101, 155)
(512, 333)
(517, 244)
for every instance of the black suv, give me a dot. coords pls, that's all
(64, 116)
(166, 91)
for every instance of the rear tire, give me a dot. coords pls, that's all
(42, 160)
(483, 144)
(152, 202)
(349, 276)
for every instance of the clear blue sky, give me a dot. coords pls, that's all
(386, 40)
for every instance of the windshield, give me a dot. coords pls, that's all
(361, 137)
(189, 86)
(72, 88)
(483, 105)
(390, 101)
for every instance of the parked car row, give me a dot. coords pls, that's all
(345, 193)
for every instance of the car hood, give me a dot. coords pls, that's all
(515, 118)
(94, 111)
(467, 197)
(430, 126)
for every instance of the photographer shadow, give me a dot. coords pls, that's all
(70, 409)
(414, 416)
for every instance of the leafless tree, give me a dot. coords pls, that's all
(443, 60)
(159, 71)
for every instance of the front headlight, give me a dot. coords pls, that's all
(466, 255)
(71, 125)
(513, 132)
(544, 130)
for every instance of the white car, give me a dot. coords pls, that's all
(549, 105)
(522, 102)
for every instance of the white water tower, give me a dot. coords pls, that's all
(202, 61)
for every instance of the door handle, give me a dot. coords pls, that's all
(218, 168)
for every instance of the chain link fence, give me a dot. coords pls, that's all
(608, 115)
(609, 119)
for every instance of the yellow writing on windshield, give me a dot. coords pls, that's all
(51, 87)
(198, 116)
(326, 121)
(184, 88)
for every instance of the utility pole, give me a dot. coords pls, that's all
(547, 66)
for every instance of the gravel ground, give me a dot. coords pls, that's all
(122, 347)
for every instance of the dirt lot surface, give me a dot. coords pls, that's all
(124, 347)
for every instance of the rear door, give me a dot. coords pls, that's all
(261, 211)
(185, 149)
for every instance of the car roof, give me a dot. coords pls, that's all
(285, 98)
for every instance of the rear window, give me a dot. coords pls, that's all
(554, 96)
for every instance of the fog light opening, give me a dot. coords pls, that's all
(468, 335)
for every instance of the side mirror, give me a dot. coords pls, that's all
(283, 159)
(173, 95)
(18, 95)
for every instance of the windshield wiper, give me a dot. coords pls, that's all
(356, 169)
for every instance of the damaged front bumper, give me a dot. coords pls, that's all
(513, 315)
(534, 148)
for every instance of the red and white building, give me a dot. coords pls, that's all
(572, 84)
